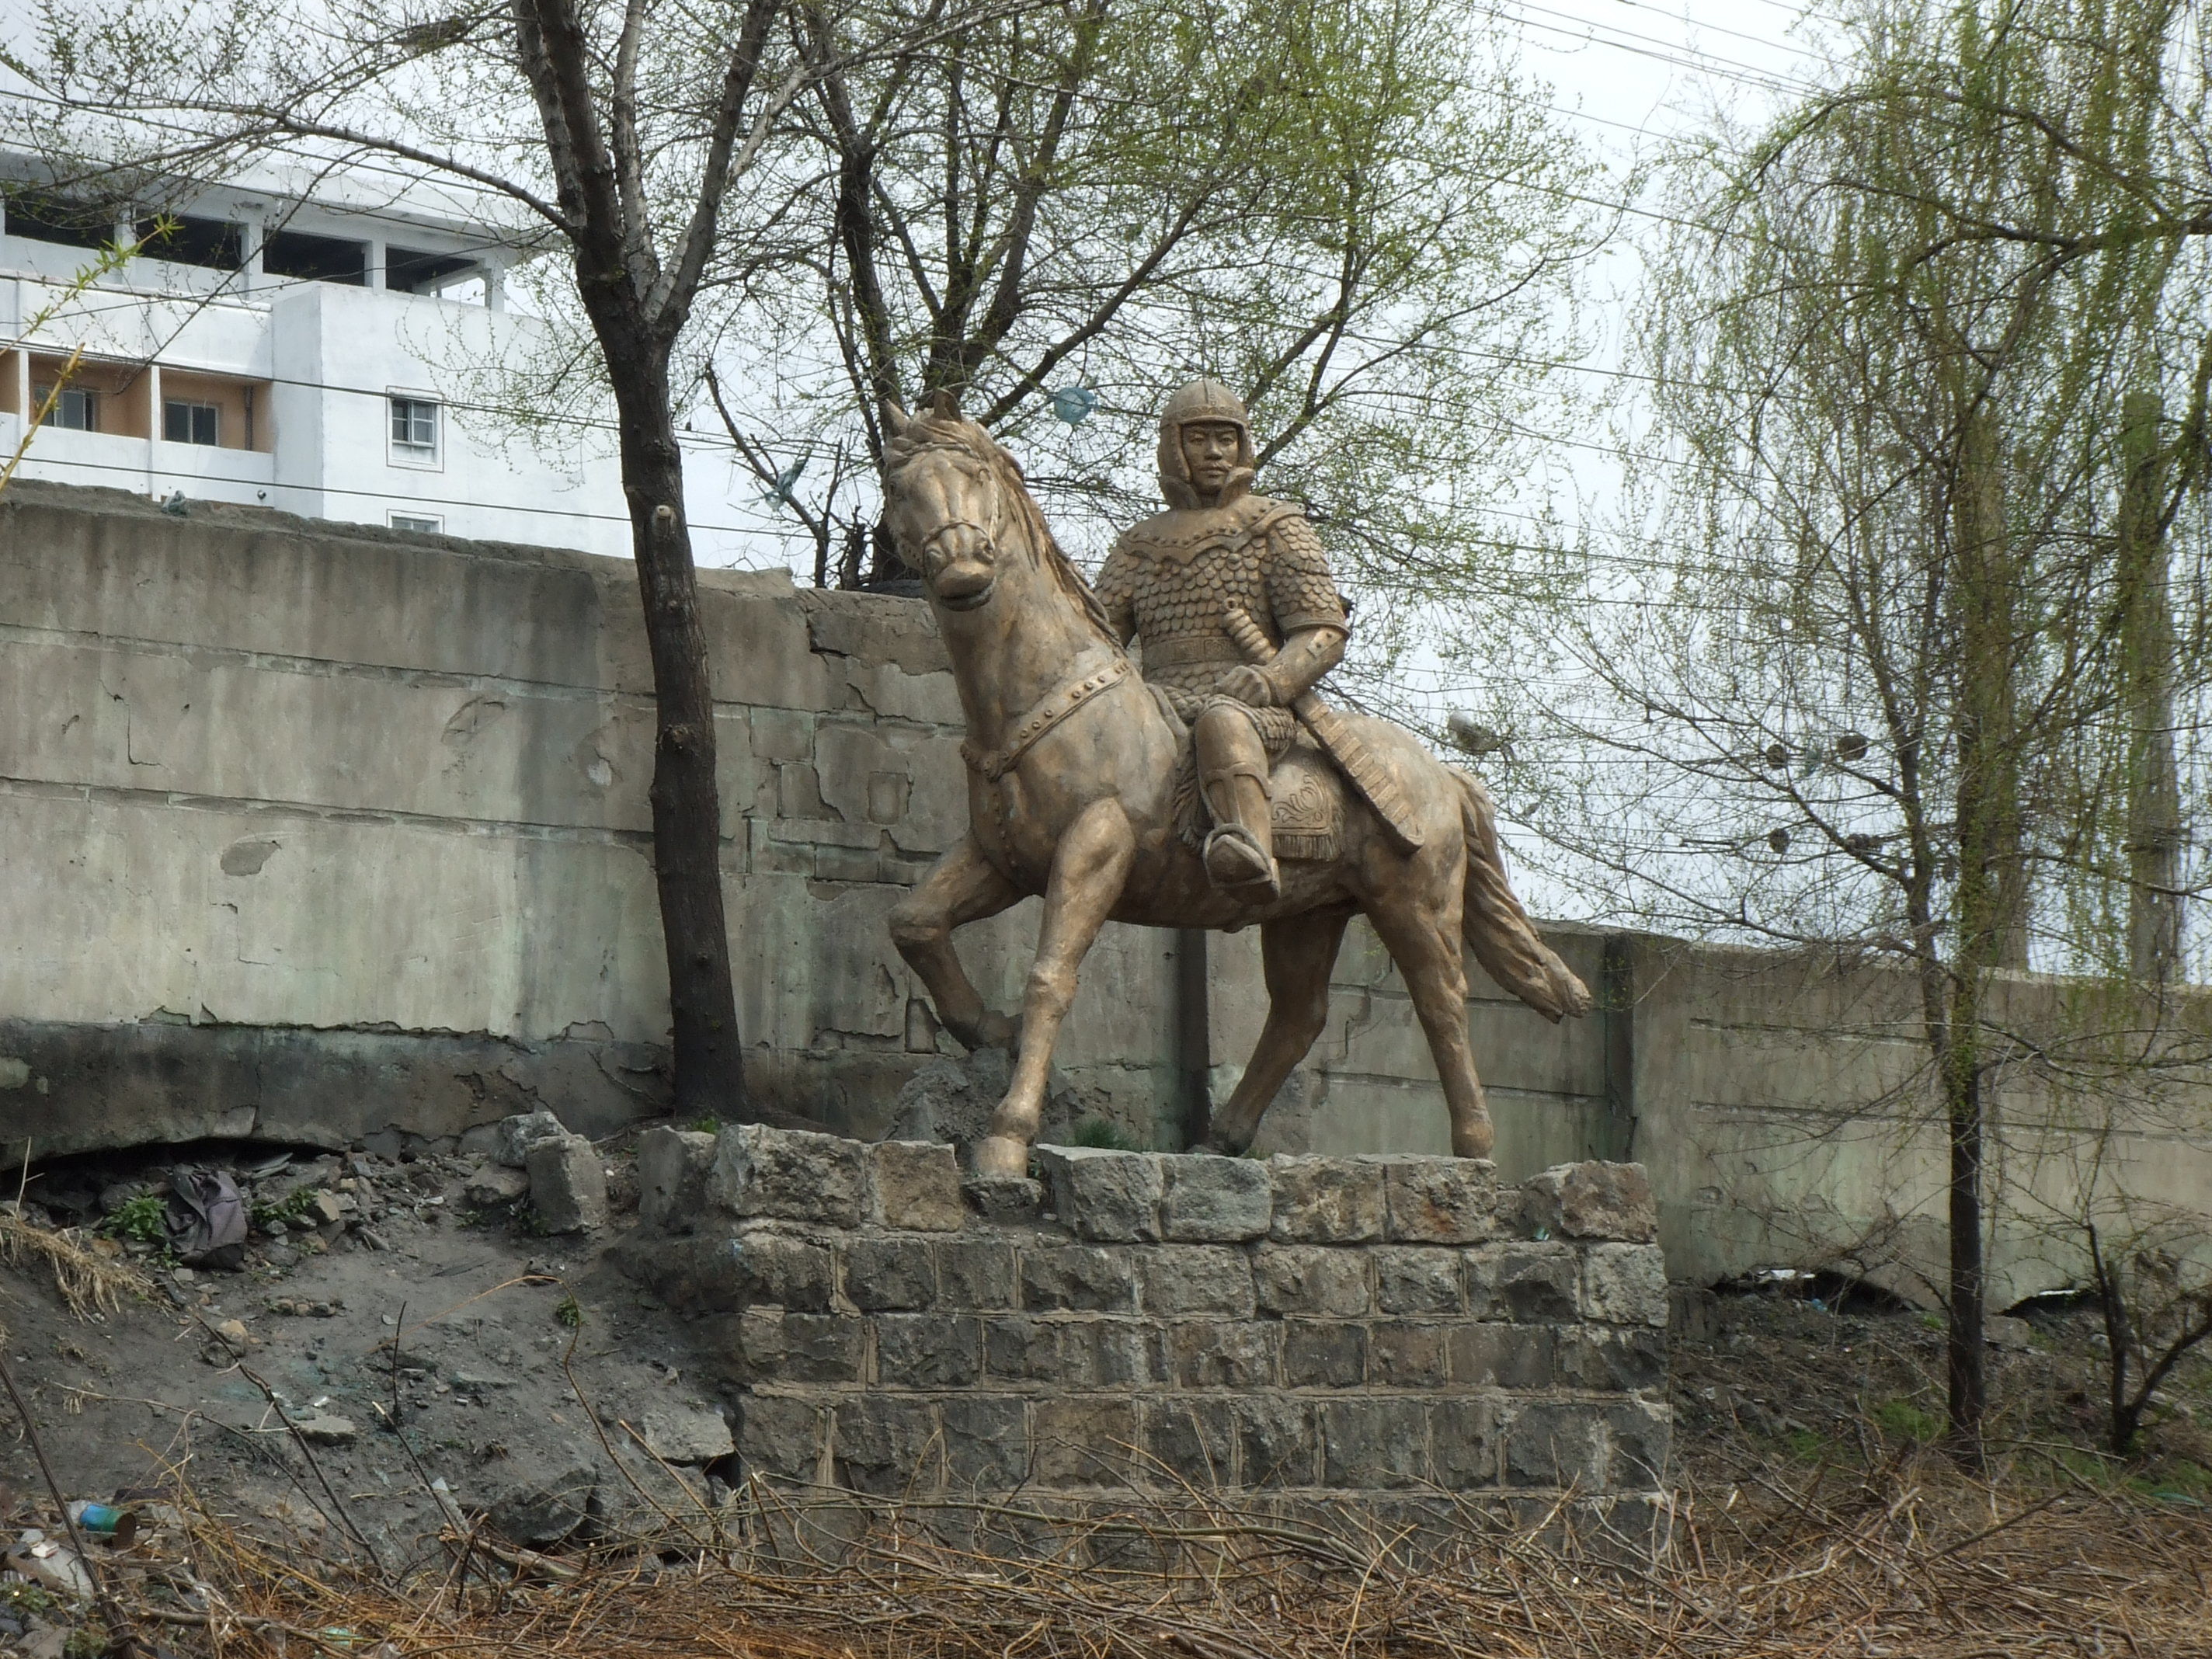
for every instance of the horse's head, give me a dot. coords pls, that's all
(945, 503)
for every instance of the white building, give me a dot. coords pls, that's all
(320, 352)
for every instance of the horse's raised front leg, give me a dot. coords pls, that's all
(1296, 953)
(960, 888)
(1088, 871)
(1418, 925)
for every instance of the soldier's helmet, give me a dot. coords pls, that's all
(1203, 399)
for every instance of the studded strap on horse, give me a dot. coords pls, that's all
(1051, 709)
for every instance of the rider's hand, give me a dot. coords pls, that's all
(1247, 685)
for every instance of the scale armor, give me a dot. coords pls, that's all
(1172, 581)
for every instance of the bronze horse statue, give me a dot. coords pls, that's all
(1074, 794)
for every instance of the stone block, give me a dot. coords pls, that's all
(1004, 1200)
(1207, 1353)
(672, 1166)
(1370, 1442)
(1416, 1279)
(686, 1434)
(568, 1184)
(1534, 1282)
(927, 1350)
(1592, 1201)
(975, 1274)
(781, 1436)
(518, 1135)
(1215, 1200)
(918, 1186)
(986, 1441)
(1553, 1442)
(1083, 1440)
(1625, 1284)
(1491, 1355)
(1405, 1354)
(791, 1173)
(1113, 1197)
(1439, 1200)
(890, 1274)
(1323, 1354)
(1276, 1442)
(1079, 1279)
(1631, 1360)
(885, 1444)
(742, 1348)
(1638, 1435)
(770, 1269)
(1021, 1348)
(1463, 1443)
(1311, 1278)
(823, 1347)
(1191, 1279)
(1190, 1442)
(1325, 1200)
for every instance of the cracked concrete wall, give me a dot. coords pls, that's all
(324, 831)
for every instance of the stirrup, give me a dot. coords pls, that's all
(1248, 863)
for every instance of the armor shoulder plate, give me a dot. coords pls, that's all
(1300, 588)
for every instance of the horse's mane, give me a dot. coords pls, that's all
(933, 431)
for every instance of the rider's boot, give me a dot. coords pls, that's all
(1240, 855)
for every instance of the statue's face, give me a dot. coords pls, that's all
(1209, 453)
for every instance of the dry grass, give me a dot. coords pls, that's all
(90, 1278)
(1913, 1561)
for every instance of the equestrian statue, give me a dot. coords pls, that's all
(1213, 789)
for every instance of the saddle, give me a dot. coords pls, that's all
(1305, 797)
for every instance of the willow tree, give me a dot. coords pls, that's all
(1883, 676)
(633, 137)
(1356, 212)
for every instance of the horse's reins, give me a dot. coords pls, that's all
(1051, 709)
(1055, 705)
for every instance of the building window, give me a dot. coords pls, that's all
(185, 422)
(315, 258)
(77, 409)
(421, 521)
(414, 430)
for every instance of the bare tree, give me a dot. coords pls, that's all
(1359, 215)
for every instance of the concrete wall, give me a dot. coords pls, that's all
(320, 831)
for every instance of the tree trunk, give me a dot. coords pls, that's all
(1990, 900)
(2155, 830)
(687, 837)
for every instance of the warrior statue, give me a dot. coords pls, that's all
(1174, 581)
(1217, 789)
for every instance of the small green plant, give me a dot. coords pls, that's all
(142, 1220)
(286, 1211)
(1097, 1131)
(1806, 1446)
(1902, 1420)
(570, 1313)
(705, 1126)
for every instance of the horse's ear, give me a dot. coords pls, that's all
(945, 405)
(897, 419)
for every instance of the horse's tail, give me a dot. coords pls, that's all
(1497, 930)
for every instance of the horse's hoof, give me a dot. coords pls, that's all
(1002, 1154)
(1478, 1141)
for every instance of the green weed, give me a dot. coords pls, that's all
(1097, 1131)
(143, 1221)
(1902, 1419)
(570, 1313)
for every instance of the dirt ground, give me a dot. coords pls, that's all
(529, 1375)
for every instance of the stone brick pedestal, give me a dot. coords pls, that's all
(1389, 1332)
